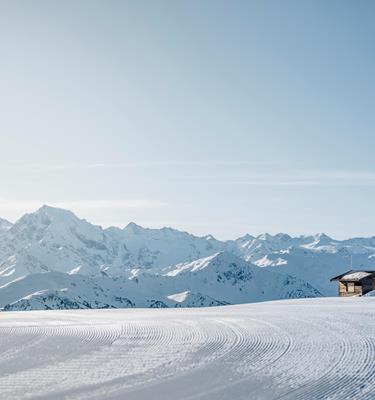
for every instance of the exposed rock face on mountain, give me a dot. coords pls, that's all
(140, 267)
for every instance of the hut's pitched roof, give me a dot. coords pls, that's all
(354, 275)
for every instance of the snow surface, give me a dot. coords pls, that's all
(292, 349)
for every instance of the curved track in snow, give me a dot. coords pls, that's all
(297, 349)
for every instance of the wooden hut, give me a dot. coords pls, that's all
(355, 282)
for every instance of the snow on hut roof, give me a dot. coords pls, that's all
(352, 275)
(356, 276)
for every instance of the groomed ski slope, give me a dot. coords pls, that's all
(292, 349)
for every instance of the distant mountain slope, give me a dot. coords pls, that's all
(314, 259)
(57, 290)
(216, 280)
(226, 277)
(52, 239)
(162, 263)
(4, 225)
(157, 248)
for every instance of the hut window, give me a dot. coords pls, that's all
(350, 287)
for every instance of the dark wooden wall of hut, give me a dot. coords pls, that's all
(348, 289)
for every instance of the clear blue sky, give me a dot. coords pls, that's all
(219, 117)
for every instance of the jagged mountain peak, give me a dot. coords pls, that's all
(278, 237)
(55, 212)
(54, 224)
(54, 239)
(209, 237)
(322, 237)
(47, 215)
(283, 236)
(132, 226)
(245, 238)
(45, 208)
(264, 236)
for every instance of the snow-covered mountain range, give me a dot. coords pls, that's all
(53, 259)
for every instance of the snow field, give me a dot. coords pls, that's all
(291, 349)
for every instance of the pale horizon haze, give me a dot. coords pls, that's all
(214, 117)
